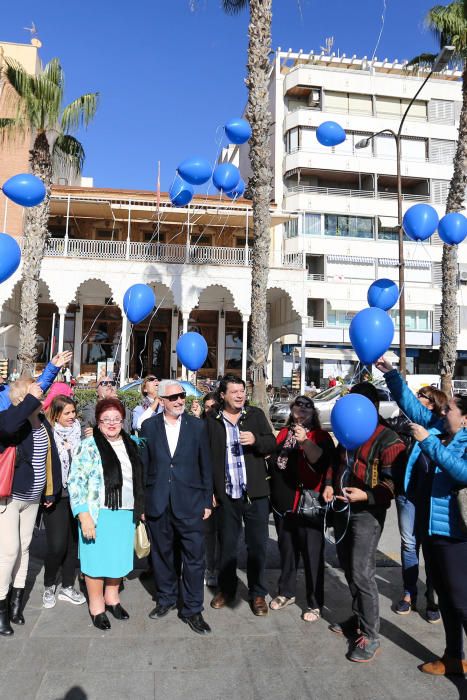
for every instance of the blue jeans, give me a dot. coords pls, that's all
(410, 547)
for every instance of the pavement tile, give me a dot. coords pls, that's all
(96, 685)
(19, 686)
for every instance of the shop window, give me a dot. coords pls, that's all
(102, 329)
(233, 341)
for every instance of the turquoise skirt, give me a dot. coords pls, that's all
(110, 555)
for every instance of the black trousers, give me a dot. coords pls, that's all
(61, 530)
(357, 556)
(298, 536)
(255, 516)
(172, 539)
(447, 559)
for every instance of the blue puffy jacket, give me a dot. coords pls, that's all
(44, 380)
(450, 460)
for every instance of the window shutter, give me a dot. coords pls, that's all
(437, 274)
(441, 111)
(442, 151)
(439, 191)
(437, 318)
(336, 102)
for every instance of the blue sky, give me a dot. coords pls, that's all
(169, 76)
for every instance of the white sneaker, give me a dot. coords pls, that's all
(210, 578)
(48, 597)
(71, 596)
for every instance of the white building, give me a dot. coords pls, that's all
(346, 201)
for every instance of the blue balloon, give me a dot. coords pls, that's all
(237, 191)
(192, 350)
(138, 302)
(10, 256)
(226, 177)
(181, 192)
(420, 222)
(371, 332)
(195, 170)
(330, 134)
(237, 130)
(354, 419)
(452, 228)
(383, 294)
(24, 189)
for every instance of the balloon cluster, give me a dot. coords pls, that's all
(421, 221)
(28, 191)
(197, 171)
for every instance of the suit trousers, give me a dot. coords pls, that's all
(255, 515)
(172, 539)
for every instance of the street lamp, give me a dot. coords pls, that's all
(441, 61)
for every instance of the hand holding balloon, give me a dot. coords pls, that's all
(383, 365)
(352, 494)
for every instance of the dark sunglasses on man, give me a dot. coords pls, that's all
(108, 383)
(301, 403)
(151, 379)
(174, 397)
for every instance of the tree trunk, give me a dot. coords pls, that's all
(35, 237)
(455, 202)
(259, 47)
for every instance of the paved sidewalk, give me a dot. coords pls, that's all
(59, 654)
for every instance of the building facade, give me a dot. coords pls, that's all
(345, 201)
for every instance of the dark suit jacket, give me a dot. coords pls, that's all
(256, 422)
(184, 480)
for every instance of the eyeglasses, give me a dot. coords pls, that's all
(174, 397)
(421, 395)
(111, 421)
(303, 404)
(108, 383)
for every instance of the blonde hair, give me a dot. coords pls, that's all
(19, 389)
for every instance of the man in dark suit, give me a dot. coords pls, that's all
(240, 437)
(178, 477)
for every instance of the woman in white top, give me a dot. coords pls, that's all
(106, 494)
(150, 403)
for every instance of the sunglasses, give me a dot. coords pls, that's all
(303, 404)
(174, 397)
(421, 395)
(108, 383)
(152, 379)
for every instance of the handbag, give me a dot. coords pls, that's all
(142, 543)
(461, 498)
(7, 470)
(309, 505)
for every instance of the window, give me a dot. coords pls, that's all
(414, 320)
(442, 151)
(105, 234)
(201, 239)
(414, 149)
(153, 237)
(102, 328)
(291, 228)
(233, 341)
(441, 111)
(59, 230)
(394, 108)
(311, 225)
(348, 103)
(348, 226)
(338, 319)
(239, 241)
(292, 140)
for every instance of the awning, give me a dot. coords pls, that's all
(341, 354)
(393, 262)
(347, 304)
(350, 260)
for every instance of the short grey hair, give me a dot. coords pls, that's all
(165, 383)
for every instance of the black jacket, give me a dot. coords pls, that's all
(257, 477)
(15, 429)
(184, 480)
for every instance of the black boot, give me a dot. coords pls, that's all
(5, 628)
(16, 604)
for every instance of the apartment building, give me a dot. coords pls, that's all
(345, 202)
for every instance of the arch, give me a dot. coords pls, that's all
(284, 319)
(294, 293)
(216, 294)
(164, 294)
(13, 298)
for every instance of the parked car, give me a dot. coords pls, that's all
(190, 388)
(324, 403)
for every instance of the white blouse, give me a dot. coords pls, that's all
(128, 501)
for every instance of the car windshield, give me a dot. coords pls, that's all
(331, 393)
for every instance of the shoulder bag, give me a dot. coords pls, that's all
(7, 470)
(309, 505)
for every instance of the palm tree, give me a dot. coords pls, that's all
(259, 48)
(35, 103)
(449, 25)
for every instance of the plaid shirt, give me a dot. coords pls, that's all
(235, 470)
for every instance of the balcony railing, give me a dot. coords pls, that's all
(363, 194)
(163, 252)
(315, 277)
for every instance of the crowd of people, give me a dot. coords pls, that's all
(197, 479)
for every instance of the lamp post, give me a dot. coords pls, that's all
(440, 62)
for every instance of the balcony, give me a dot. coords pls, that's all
(360, 194)
(164, 253)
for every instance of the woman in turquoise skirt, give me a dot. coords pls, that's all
(106, 495)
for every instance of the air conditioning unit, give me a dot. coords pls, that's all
(463, 274)
(314, 98)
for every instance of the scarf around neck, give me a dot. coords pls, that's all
(67, 441)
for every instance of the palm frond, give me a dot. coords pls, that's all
(423, 60)
(54, 72)
(233, 7)
(17, 77)
(45, 101)
(448, 24)
(80, 112)
(67, 155)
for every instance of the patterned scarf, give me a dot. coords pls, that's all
(288, 446)
(67, 441)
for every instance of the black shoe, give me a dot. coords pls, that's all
(6, 630)
(101, 621)
(16, 604)
(349, 628)
(161, 611)
(197, 623)
(118, 612)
